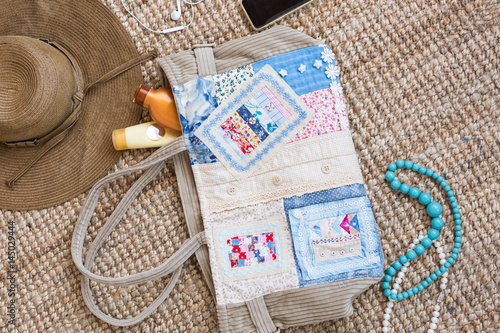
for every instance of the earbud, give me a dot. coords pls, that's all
(176, 14)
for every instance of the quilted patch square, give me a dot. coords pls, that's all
(334, 235)
(258, 118)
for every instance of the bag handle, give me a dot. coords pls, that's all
(153, 165)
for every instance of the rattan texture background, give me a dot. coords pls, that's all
(420, 78)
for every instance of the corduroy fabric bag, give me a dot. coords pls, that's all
(270, 183)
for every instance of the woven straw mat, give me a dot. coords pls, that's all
(420, 79)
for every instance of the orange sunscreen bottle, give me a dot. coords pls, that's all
(145, 135)
(161, 106)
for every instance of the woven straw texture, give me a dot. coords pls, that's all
(420, 78)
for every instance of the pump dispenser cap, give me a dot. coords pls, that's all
(140, 95)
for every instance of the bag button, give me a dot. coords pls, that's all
(277, 180)
(231, 190)
(326, 168)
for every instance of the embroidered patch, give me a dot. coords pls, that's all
(329, 114)
(226, 83)
(254, 121)
(334, 235)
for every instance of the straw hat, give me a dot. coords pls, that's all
(55, 124)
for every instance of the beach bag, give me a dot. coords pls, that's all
(270, 184)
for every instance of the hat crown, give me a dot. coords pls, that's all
(37, 82)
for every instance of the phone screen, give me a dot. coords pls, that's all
(262, 12)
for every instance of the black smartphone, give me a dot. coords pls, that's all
(261, 13)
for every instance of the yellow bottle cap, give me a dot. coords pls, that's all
(119, 139)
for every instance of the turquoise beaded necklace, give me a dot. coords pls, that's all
(434, 210)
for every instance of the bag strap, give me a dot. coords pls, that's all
(152, 166)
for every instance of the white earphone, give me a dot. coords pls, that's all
(175, 15)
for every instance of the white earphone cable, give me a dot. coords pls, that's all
(192, 4)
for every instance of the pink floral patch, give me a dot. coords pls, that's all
(329, 114)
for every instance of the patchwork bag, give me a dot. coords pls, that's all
(270, 183)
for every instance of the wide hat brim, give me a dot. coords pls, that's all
(94, 36)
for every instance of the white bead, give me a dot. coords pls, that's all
(412, 246)
(437, 244)
(435, 320)
(439, 250)
(442, 256)
(444, 280)
(385, 329)
(396, 286)
(416, 241)
(404, 269)
(421, 237)
(442, 261)
(394, 291)
(407, 264)
(430, 331)
(445, 274)
(386, 323)
(433, 326)
(437, 307)
(391, 304)
(387, 316)
(401, 275)
(443, 286)
(388, 310)
(436, 314)
(398, 280)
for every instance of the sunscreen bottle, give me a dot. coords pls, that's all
(145, 135)
(161, 106)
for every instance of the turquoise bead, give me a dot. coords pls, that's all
(450, 193)
(410, 293)
(388, 278)
(452, 199)
(440, 179)
(390, 176)
(450, 261)
(434, 209)
(447, 264)
(404, 188)
(425, 284)
(419, 249)
(443, 183)
(391, 271)
(458, 239)
(454, 205)
(393, 296)
(433, 276)
(428, 279)
(454, 256)
(435, 175)
(422, 170)
(396, 184)
(433, 234)
(458, 228)
(437, 223)
(397, 265)
(456, 210)
(442, 270)
(426, 242)
(415, 290)
(429, 172)
(408, 164)
(405, 295)
(420, 287)
(387, 292)
(411, 255)
(458, 245)
(400, 163)
(458, 222)
(400, 297)
(403, 259)
(455, 250)
(392, 167)
(424, 198)
(458, 233)
(457, 216)
(415, 167)
(414, 192)
(447, 188)
(386, 285)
